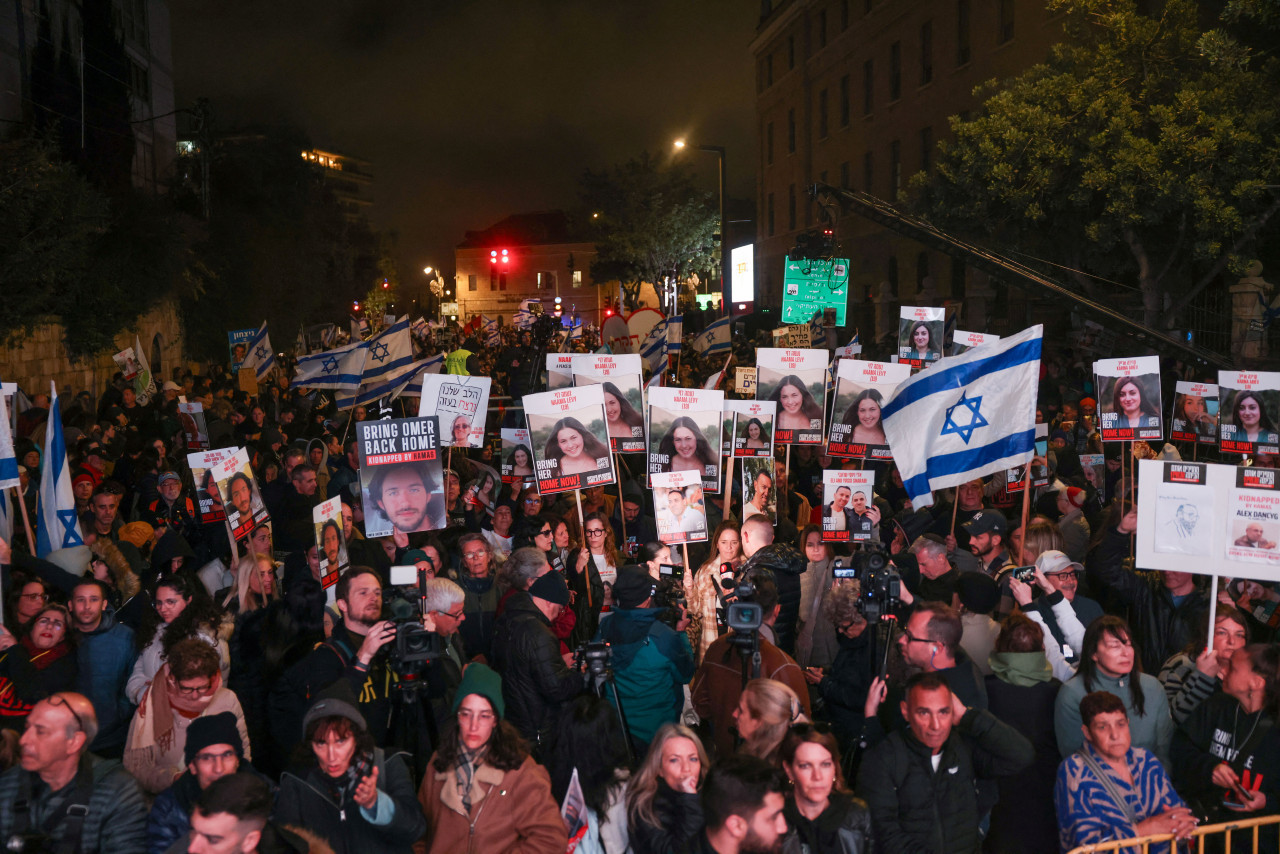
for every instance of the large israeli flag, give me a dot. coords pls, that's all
(260, 356)
(966, 417)
(59, 526)
(716, 338)
(340, 368)
(390, 351)
(432, 365)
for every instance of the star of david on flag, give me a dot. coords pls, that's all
(262, 356)
(968, 421)
(340, 368)
(59, 527)
(329, 365)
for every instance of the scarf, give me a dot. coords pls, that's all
(12, 706)
(1023, 669)
(160, 702)
(465, 772)
(42, 658)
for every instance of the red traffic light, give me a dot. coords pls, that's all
(385, 284)
(355, 305)
(505, 258)
(493, 256)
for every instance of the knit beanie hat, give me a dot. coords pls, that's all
(213, 729)
(550, 587)
(483, 680)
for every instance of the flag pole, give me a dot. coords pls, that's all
(1026, 506)
(26, 520)
(622, 511)
(582, 526)
(955, 506)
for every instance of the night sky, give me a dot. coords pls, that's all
(470, 111)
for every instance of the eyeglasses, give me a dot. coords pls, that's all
(40, 596)
(194, 690)
(1069, 574)
(59, 700)
(534, 500)
(545, 533)
(595, 532)
(473, 555)
(457, 616)
(224, 756)
(913, 639)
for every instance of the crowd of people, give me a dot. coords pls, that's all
(562, 680)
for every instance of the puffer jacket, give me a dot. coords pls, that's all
(914, 809)
(844, 827)
(106, 657)
(117, 819)
(536, 684)
(787, 565)
(1160, 627)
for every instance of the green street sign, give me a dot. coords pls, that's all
(811, 285)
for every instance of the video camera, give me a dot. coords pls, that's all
(593, 658)
(880, 583)
(414, 644)
(668, 592)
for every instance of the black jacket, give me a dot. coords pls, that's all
(844, 827)
(536, 684)
(1160, 627)
(787, 565)
(1024, 820)
(844, 690)
(679, 821)
(917, 810)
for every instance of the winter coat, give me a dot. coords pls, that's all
(652, 663)
(106, 657)
(156, 768)
(844, 689)
(322, 470)
(151, 659)
(588, 590)
(27, 677)
(511, 811)
(1086, 811)
(679, 817)
(117, 818)
(787, 565)
(246, 678)
(1152, 730)
(915, 809)
(307, 799)
(480, 603)
(816, 645)
(536, 684)
(1160, 627)
(844, 827)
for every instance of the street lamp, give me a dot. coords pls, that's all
(680, 144)
(436, 287)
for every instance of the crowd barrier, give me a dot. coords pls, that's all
(1208, 833)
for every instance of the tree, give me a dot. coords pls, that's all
(1143, 149)
(650, 222)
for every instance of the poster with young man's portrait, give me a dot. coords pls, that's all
(759, 493)
(796, 380)
(920, 335)
(752, 427)
(1195, 413)
(204, 475)
(849, 513)
(1128, 398)
(685, 432)
(1250, 412)
(862, 390)
(401, 475)
(679, 505)
(331, 545)
(570, 439)
(517, 455)
(241, 500)
(622, 378)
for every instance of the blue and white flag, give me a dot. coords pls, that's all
(359, 328)
(523, 318)
(391, 386)
(259, 355)
(716, 338)
(433, 365)
(418, 328)
(341, 368)
(575, 332)
(664, 365)
(8, 457)
(857, 339)
(966, 417)
(492, 335)
(675, 333)
(390, 351)
(6, 517)
(653, 349)
(817, 335)
(59, 525)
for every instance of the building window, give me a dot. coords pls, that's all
(822, 114)
(926, 149)
(822, 28)
(791, 131)
(963, 51)
(844, 176)
(868, 86)
(769, 212)
(844, 15)
(1005, 32)
(577, 278)
(791, 207)
(895, 71)
(895, 170)
(546, 280)
(844, 101)
(768, 143)
(868, 173)
(471, 281)
(791, 52)
(139, 81)
(926, 52)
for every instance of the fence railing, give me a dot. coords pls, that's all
(1199, 837)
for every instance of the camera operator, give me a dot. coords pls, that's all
(652, 662)
(536, 682)
(43, 801)
(719, 680)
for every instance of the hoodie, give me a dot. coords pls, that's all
(1218, 731)
(322, 470)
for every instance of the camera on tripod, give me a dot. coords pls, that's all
(668, 592)
(744, 616)
(879, 582)
(414, 644)
(593, 658)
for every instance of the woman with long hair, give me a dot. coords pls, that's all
(864, 415)
(820, 810)
(920, 343)
(623, 419)
(592, 570)
(1132, 406)
(482, 791)
(42, 663)
(182, 609)
(816, 644)
(702, 589)
(256, 585)
(757, 438)
(1250, 418)
(797, 409)
(589, 740)
(574, 449)
(686, 449)
(521, 461)
(766, 708)
(1196, 415)
(664, 812)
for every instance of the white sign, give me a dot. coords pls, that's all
(742, 273)
(460, 403)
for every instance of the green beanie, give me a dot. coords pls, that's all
(483, 680)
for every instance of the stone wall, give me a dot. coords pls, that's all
(43, 356)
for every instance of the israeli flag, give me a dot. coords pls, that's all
(389, 385)
(433, 365)
(969, 416)
(337, 369)
(418, 328)
(664, 365)
(817, 335)
(675, 333)
(523, 318)
(575, 332)
(8, 457)
(59, 526)
(260, 356)
(653, 349)
(390, 351)
(857, 339)
(6, 517)
(716, 338)
(492, 335)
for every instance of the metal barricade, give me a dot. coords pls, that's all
(1197, 841)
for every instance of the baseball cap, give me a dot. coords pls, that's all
(1054, 561)
(168, 476)
(986, 522)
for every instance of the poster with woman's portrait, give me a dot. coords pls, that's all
(759, 493)
(460, 403)
(752, 427)
(241, 500)
(622, 378)
(1095, 474)
(401, 475)
(679, 506)
(517, 455)
(208, 499)
(862, 390)
(331, 546)
(796, 380)
(920, 331)
(1195, 413)
(684, 432)
(1128, 398)
(849, 512)
(570, 439)
(1250, 412)
(962, 342)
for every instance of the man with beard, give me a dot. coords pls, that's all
(742, 802)
(406, 496)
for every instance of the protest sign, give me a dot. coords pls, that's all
(685, 432)
(460, 404)
(1128, 398)
(796, 380)
(517, 458)
(401, 475)
(752, 427)
(920, 335)
(194, 429)
(744, 381)
(622, 379)
(127, 361)
(570, 439)
(203, 475)
(326, 517)
(849, 513)
(794, 337)
(862, 388)
(759, 495)
(238, 341)
(238, 489)
(1195, 413)
(1248, 418)
(1095, 473)
(962, 341)
(679, 507)
(559, 370)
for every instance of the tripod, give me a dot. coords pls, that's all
(599, 679)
